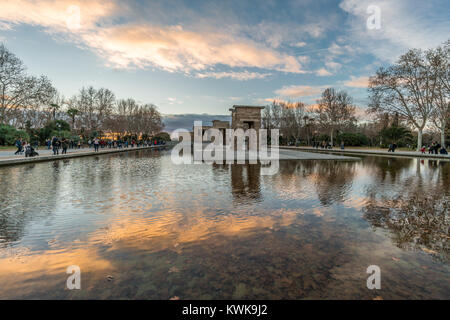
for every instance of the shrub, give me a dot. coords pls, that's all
(9, 134)
(53, 128)
(352, 139)
(400, 135)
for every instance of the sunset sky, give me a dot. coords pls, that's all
(204, 56)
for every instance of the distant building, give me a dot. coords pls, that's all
(242, 117)
(246, 117)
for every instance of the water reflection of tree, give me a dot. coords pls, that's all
(294, 167)
(333, 180)
(417, 218)
(34, 192)
(387, 167)
(245, 182)
(26, 195)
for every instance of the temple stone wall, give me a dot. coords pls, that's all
(246, 117)
(242, 117)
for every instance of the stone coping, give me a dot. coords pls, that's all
(399, 154)
(76, 154)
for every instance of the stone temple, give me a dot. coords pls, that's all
(246, 117)
(242, 117)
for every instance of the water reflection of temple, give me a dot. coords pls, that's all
(246, 182)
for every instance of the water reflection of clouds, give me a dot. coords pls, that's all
(24, 273)
(171, 229)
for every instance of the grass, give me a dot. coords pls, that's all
(4, 148)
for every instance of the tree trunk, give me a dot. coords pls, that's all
(419, 139)
(443, 136)
(331, 138)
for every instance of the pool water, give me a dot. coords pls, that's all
(140, 227)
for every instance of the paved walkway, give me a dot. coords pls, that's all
(7, 157)
(350, 151)
(283, 154)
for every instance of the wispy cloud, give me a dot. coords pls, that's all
(357, 82)
(173, 100)
(299, 44)
(140, 44)
(5, 26)
(175, 49)
(56, 15)
(245, 75)
(298, 91)
(322, 72)
(404, 24)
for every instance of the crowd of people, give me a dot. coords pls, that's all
(434, 148)
(57, 145)
(26, 148)
(392, 147)
(323, 145)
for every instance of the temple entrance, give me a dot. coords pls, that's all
(249, 125)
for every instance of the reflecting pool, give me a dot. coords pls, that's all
(140, 227)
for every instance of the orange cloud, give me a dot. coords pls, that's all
(298, 91)
(323, 72)
(234, 75)
(361, 82)
(175, 49)
(57, 15)
(171, 48)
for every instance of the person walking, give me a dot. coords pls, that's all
(437, 148)
(394, 146)
(65, 144)
(96, 144)
(55, 145)
(18, 144)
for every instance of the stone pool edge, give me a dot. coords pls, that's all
(397, 154)
(10, 162)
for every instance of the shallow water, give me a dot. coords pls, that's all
(140, 227)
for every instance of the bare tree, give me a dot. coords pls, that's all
(104, 104)
(17, 89)
(133, 118)
(335, 109)
(439, 61)
(292, 120)
(87, 105)
(286, 116)
(406, 88)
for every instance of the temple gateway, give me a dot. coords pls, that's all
(246, 117)
(242, 117)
